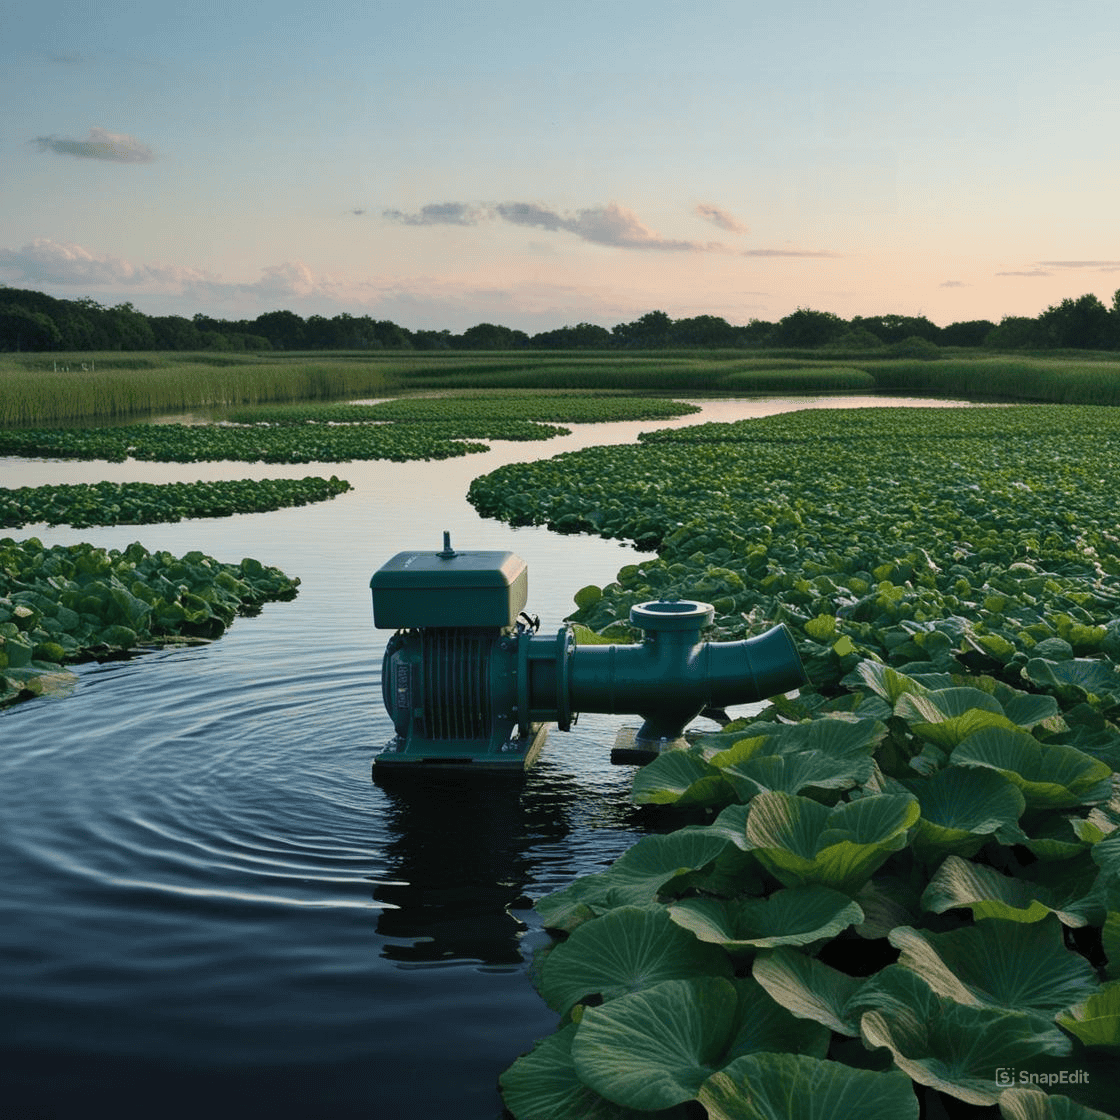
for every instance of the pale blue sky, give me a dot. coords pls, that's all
(535, 164)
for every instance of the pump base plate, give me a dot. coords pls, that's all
(518, 756)
(629, 750)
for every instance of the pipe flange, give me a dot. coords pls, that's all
(667, 615)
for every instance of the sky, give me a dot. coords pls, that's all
(543, 163)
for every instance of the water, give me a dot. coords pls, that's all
(206, 902)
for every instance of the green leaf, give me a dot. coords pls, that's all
(624, 951)
(635, 878)
(792, 773)
(655, 1048)
(961, 808)
(803, 843)
(988, 894)
(795, 916)
(780, 1086)
(668, 778)
(544, 1085)
(1096, 1020)
(948, 1046)
(1033, 1104)
(809, 989)
(1050, 776)
(999, 963)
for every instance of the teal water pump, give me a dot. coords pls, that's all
(468, 681)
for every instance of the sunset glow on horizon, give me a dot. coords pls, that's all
(539, 164)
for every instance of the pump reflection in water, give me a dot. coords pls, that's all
(468, 682)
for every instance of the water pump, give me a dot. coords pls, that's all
(468, 680)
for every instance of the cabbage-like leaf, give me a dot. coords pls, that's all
(780, 1086)
(802, 843)
(809, 988)
(795, 916)
(1078, 679)
(1096, 1020)
(1022, 1103)
(990, 894)
(999, 963)
(626, 950)
(634, 878)
(655, 1048)
(944, 717)
(544, 1085)
(679, 777)
(1050, 776)
(792, 773)
(949, 1046)
(887, 683)
(961, 808)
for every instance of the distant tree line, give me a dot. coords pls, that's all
(34, 321)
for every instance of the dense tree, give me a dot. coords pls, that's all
(703, 330)
(31, 320)
(970, 333)
(24, 329)
(896, 328)
(1079, 324)
(651, 331)
(173, 332)
(583, 336)
(806, 327)
(284, 329)
(1016, 332)
(488, 336)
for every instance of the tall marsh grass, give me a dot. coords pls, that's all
(1051, 380)
(39, 389)
(55, 390)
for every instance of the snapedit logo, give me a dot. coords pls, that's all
(1010, 1075)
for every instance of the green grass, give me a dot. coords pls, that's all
(53, 390)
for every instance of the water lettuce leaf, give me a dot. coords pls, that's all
(949, 1046)
(990, 894)
(624, 951)
(1096, 1020)
(544, 1085)
(779, 1086)
(793, 916)
(635, 878)
(1022, 1103)
(655, 1048)
(961, 808)
(810, 989)
(999, 963)
(802, 842)
(1050, 776)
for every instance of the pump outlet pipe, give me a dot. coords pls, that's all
(467, 679)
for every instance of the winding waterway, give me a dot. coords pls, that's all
(209, 908)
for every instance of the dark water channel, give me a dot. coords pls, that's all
(208, 908)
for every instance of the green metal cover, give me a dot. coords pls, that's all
(416, 589)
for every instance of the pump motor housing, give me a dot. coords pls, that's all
(468, 681)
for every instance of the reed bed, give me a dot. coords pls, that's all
(57, 390)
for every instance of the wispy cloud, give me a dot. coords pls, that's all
(1027, 272)
(719, 217)
(116, 147)
(439, 214)
(823, 253)
(1103, 266)
(611, 225)
(952, 284)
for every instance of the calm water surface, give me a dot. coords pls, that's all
(208, 906)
